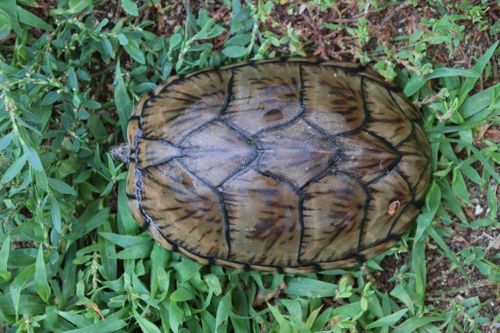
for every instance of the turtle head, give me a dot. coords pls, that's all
(120, 152)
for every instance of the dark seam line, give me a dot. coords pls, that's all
(288, 122)
(240, 131)
(417, 111)
(279, 178)
(410, 136)
(322, 173)
(392, 87)
(297, 192)
(319, 129)
(295, 119)
(222, 204)
(391, 148)
(238, 170)
(197, 128)
(428, 158)
(301, 90)
(229, 94)
(161, 162)
(359, 68)
(363, 185)
(187, 100)
(174, 80)
(365, 106)
(147, 105)
(301, 222)
(194, 97)
(147, 219)
(162, 141)
(412, 191)
(397, 105)
(301, 196)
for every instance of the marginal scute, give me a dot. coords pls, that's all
(423, 183)
(405, 219)
(379, 219)
(185, 105)
(333, 214)
(386, 119)
(377, 249)
(406, 107)
(133, 128)
(332, 99)
(365, 155)
(184, 209)
(301, 152)
(413, 162)
(264, 219)
(264, 96)
(216, 151)
(133, 201)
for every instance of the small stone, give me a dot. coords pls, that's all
(478, 210)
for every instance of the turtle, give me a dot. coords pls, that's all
(282, 165)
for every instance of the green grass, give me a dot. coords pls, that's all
(73, 259)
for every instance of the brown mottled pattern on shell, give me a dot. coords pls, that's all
(133, 202)
(264, 219)
(426, 173)
(154, 152)
(333, 213)
(365, 156)
(387, 120)
(411, 160)
(332, 99)
(277, 166)
(185, 105)
(385, 190)
(406, 107)
(301, 154)
(184, 208)
(268, 94)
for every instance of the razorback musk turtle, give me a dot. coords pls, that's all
(288, 166)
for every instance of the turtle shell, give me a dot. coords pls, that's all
(279, 165)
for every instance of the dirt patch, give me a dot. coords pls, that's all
(391, 265)
(445, 284)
